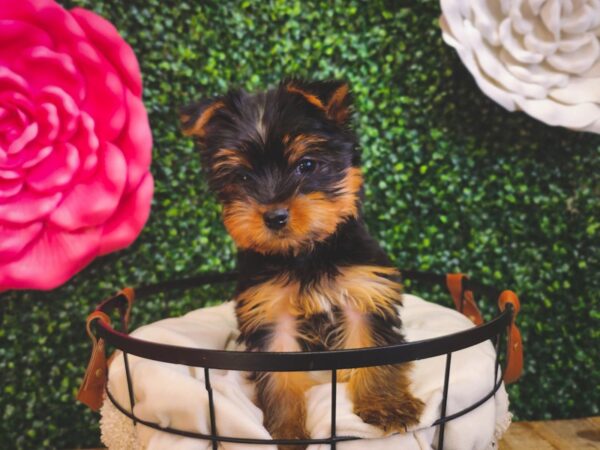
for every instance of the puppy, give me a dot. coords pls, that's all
(285, 166)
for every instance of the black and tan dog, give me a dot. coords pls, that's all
(285, 166)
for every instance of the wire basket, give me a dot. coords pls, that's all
(462, 289)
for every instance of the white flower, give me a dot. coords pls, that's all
(538, 56)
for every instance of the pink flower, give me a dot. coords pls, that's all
(75, 143)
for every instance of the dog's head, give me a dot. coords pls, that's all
(283, 163)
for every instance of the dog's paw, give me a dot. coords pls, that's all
(290, 430)
(391, 414)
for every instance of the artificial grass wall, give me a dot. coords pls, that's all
(454, 182)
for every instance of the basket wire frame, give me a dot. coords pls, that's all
(342, 359)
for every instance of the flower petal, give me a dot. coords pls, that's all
(27, 207)
(60, 24)
(14, 239)
(580, 21)
(92, 202)
(553, 113)
(494, 70)
(51, 259)
(105, 36)
(10, 9)
(87, 143)
(18, 102)
(36, 156)
(11, 81)
(10, 188)
(105, 105)
(136, 142)
(540, 41)
(17, 36)
(127, 223)
(49, 122)
(520, 14)
(534, 74)
(550, 15)
(514, 46)
(29, 134)
(579, 90)
(573, 43)
(59, 70)
(56, 172)
(578, 61)
(29, 157)
(10, 174)
(486, 17)
(67, 110)
(450, 25)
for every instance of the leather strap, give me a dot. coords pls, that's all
(129, 295)
(514, 349)
(464, 301)
(92, 387)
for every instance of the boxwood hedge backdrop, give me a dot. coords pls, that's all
(454, 182)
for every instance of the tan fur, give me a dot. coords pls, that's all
(266, 303)
(368, 290)
(197, 129)
(280, 394)
(313, 217)
(357, 288)
(381, 395)
(311, 98)
(335, 106)
(301, 145)
(226, 159)
(281, 397)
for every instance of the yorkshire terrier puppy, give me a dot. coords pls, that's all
(286, 167)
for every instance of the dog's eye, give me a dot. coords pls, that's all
(242, 177)
(306, 166)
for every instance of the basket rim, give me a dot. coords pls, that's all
(299, 361)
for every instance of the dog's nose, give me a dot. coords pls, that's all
(276, 218)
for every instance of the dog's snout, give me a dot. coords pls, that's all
(277, 218)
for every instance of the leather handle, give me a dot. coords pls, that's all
(464, 301)
(88, 322)
(92, 386)
(129, 294)
(514, 349)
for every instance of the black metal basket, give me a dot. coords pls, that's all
(331, 361)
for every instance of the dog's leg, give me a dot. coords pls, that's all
(381, 394)
(281, 394)
(268, 322)
(281, 397)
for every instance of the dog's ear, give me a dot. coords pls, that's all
(332, 96)
(195, 116)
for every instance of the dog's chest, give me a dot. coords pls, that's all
(359, 289)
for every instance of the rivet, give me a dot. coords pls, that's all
(516, 345)
(99, 373)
